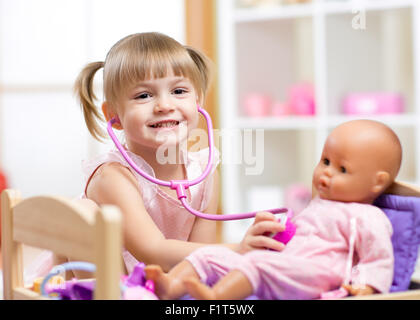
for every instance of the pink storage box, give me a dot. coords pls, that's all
(257, 105)
(302, 99)
(373, 103)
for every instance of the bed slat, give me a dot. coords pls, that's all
(33, 225)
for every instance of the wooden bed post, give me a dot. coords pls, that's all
(11, 250)
(108, 242)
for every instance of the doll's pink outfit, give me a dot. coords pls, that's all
(172, 219)
(315, 260)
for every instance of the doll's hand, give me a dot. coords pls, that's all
(358, 290)
(256, 236)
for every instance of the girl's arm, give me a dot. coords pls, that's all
(204, 230)
(256, 235)
(114, 184)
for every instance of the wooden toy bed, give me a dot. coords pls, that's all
(59, 225)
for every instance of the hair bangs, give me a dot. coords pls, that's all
(151, 56)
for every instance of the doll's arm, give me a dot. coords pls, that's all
(359, 290)
(374, 270)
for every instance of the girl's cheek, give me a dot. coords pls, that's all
(194, 122)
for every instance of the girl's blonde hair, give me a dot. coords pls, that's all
(135, 58)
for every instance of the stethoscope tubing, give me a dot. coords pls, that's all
(181, 185)
(173, 183)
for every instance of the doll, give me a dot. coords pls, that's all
(360, 159)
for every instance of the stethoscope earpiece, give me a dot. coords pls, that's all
(115, 120)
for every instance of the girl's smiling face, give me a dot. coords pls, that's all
(158, 111)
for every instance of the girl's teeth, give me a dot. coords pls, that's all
(165, 124)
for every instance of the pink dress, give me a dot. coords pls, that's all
(169, 215)
(316, 259)
(172, 219)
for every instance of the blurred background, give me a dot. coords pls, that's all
(287, 70)
(43, 46)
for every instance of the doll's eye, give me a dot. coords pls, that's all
(326, 162)
(343, 169)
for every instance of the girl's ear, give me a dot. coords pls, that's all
(382, 182)
(109, 114)
(199, 101)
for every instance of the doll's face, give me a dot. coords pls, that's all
(349, 168)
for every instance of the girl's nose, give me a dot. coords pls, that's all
(163, 105)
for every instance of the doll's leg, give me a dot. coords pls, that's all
(170, 285)
(234, 286)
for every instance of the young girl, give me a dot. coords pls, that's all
(359, 161)
(152, 85)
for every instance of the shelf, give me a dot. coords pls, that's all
(300, 122)
(266, 13)
(349, 7)
(392, 120)
(276, 123)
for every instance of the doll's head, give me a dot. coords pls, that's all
(360, 159)
(132, 72)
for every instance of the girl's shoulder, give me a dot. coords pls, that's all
(111, 166)
(113, 156)
(108, 178)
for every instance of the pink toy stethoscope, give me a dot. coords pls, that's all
(181, 185)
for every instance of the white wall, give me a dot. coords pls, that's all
(43, 45)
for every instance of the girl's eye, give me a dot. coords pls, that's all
(326, 162)
(179, 91)
(343, 169)
(143, 95)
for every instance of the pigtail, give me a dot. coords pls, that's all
(83, 89)
(205, 67)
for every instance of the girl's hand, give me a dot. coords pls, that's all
(256, 237)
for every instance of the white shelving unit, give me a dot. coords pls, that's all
(267, 49)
